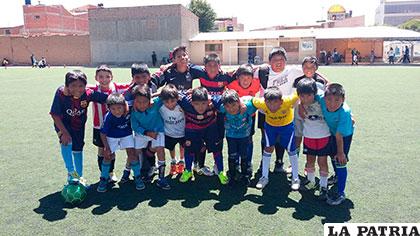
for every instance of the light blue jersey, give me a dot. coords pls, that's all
(239, 125)
(149, 120)
(338, 121)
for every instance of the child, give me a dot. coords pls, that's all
(278, 124)
(68, 112)
(200, 126)
(316, 136)
(174, 124)
(338, 116)
(103, 77)
(116, 134)
(140, 75)
(238, 134)
(148, 126)
(245, 85)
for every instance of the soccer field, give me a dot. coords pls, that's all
(383, 183)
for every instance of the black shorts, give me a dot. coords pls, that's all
(170, 142)
(261, 120)
(97, 141)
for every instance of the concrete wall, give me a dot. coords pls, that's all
(58, 50)
(130, 34)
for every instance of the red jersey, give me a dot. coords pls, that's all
(253, 89)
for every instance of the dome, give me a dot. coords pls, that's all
(336, 9)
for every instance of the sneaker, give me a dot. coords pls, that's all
(139, 183)
(295, 184)
(181, 167)
(173, 170)
(323, 193)
(337, 200)
(113, 177)
(223, 178)
(125, 177)
(186, 175)
(332, 180)
(215, 170)
(310, 185)
(103, 184)
(83, 181)
(73, 177)
(262, 182)
(205, 171)
(163, 184)
(278, 167)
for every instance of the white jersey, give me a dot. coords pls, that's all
(284, 80)
(174, 121)
(314, 125)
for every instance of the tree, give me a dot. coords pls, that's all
(413, 24)
(205, 13)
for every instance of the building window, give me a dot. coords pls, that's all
(213, 47)
(7, 32)
(290, 46)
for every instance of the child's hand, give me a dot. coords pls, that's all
(188, 92)
(151, 134)
(243, 108)
(65, 138)
(302, 111)
(353, 121)
(341, 158)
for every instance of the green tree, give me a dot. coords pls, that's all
(413, 24)
(205, 13)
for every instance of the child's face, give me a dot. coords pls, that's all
(77, 88)
(117, 110)
(181, 58)
(141, 79)
(103, 78)
(307, 99)
(277, 63)
(309, 70)
(170, 103)
(333, 102)
(141, 103)
(245, 80)
(212, 69)
(232, 108)
(200, 106)
(274, 105)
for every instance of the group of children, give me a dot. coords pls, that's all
(159, 111)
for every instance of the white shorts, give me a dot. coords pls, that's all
(120, 143)
(141, 141)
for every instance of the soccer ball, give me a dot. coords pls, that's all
(74, 193)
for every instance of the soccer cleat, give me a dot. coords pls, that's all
(295, 184)
(173, 170)
(205, 171)
(113, 177)
(322, 193)
(278, 167)
(163, 184)
(336, 200)
(139, 183)
(186, 175)
(125, 177)
(83, 181)
(262, 182)
(223, 178)
(180, 167)
(310, 185)
(73, 177)
(332, 180)
(103, 184)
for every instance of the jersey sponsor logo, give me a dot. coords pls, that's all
(75, 112)
(123, 126)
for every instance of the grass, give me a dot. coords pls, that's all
(383, 184)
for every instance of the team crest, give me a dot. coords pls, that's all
(83, 104)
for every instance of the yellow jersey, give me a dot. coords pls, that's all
(282, 116)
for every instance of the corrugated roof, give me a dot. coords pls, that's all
(319, 33)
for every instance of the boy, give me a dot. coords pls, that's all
(316, 136)
(140, 75)
(148, 126)
(68, 112)
(278, 124)
(174, 125)
(276, 74)
(238, 134)
(116, 134)
(103, 77)
(338, 116)
(200, 129)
